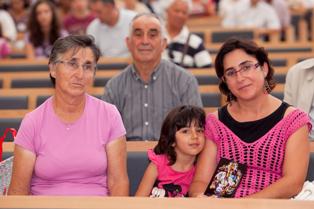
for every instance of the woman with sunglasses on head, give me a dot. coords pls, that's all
(72, 144)
(267, 135)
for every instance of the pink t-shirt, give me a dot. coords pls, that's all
(175, 183)
(70, 158)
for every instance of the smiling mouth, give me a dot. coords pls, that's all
(243, 87)
(78, 84)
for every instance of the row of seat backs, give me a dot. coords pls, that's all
(137, 163)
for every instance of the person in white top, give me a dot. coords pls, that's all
(8, 26)
(260, 15)
(110, 28)
(231, 11)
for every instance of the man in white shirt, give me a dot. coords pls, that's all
(110, 28)
(7, 25)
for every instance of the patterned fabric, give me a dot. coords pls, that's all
(196, 55)
(264, 157)
(175, 183)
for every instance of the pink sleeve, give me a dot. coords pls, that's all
(296, 120)
(26, 134)
(117, 127)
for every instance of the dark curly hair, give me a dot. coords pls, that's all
(176, 119)
(250, 48)
(36, 36)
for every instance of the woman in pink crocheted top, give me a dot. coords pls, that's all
(256, 129)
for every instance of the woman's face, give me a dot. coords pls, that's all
(243, 75)
(44, 14)
(74, 72)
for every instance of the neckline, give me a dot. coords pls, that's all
(67, 125)
(229, 116)
(262, 137)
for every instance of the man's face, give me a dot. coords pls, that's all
(102, 10)
(146, 42)
(178, 13)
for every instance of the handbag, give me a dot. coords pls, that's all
(2, 138)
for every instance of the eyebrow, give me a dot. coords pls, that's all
(242, 63)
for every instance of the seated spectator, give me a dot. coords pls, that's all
(172, 161)
(133, 5)
(257, 14)
(299, 90)
(79, 17)
(283, 13)
(5, 48)
(110, 28)
(254, 128)
(43, 29)
(184, 48)
(19, 11)
(150, 87)
(73, 143)
(8, 26)
(203, 8)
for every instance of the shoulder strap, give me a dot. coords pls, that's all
(185, 49)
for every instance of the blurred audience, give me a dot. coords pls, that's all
(43, 29)
(4, 46)
(19, 11)
(184, 48)
(203, 8)
(110, 28)
(133, 5)
(79, 18)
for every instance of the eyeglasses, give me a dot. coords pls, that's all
(74, 65)
(244, 69)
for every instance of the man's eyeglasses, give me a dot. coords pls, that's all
(244, 70)
(74, 65)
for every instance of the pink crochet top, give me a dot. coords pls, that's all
(264, 157)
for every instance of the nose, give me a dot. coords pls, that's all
(194, 134)
(80, 72)
(145, 39)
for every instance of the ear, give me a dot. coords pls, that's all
(127, 41)
(52, 70)
(265, 69)
(164, 43)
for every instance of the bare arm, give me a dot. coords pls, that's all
(205, 168)
(147, 181)
(294, 168)
(118, 180)
(23, 166)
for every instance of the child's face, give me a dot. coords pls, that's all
(189, 140)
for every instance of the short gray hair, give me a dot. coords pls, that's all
(162, 25)
(75, 42)
(168, 3)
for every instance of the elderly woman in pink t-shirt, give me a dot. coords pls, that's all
(74, 143)
(255, 129)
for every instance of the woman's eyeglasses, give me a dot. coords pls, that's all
(244, 70)
(74, 65)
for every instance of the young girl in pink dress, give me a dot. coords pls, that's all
(172, 166)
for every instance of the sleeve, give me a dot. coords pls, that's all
(8, 26)
(288, 91)
(202, 57)
(156, 159)
(26, 134)
(272, 19)
(297, 119)
(190, 93)
(117, 127)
